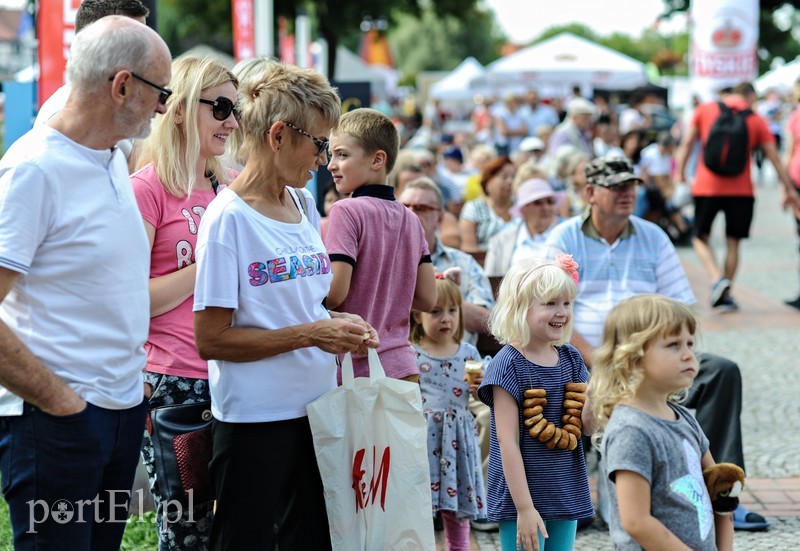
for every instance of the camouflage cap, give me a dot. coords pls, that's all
(609, 172)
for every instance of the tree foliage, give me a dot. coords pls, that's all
(336, 19)
(447, 41)
(186, 23)
(774, 39)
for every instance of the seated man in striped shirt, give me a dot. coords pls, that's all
(621, 255)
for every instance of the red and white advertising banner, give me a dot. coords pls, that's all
(56, 29)
(723, 44)
(244, 37)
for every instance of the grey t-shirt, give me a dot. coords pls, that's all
(667, 454)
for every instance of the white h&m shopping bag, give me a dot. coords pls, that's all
(371, 445)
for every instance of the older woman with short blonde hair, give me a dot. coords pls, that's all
(263, 275)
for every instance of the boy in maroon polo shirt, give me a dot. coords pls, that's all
(379, 255)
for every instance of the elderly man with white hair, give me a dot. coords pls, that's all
(576, 130)
(74, 306)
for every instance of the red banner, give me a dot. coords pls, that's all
(285, 42)
(244, 42)
(56, 28)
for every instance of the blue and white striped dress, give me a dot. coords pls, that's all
(557, 479)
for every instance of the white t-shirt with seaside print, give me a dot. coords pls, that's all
(273, 275)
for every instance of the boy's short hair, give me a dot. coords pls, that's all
(91, 10)
(373, 131)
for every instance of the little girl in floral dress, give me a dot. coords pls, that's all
(457, 485)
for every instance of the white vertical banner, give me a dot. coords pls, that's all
(302, 38)
(723, 44)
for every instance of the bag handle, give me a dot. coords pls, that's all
(375, 369)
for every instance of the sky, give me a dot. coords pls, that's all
(524, 20)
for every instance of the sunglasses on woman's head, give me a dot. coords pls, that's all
(222, 108)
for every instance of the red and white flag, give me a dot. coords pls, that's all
(723, 44)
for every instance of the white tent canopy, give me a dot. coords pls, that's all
(456, 85)
(351, 68)
(563, 61)
(781, 79)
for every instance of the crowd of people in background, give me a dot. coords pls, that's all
(536, 243)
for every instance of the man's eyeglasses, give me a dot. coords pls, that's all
(321, 143)
(164, 93)
(222, 108)
(419, 208)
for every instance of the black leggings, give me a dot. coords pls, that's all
(266, 474)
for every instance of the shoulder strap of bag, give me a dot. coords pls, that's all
(214, 182)
(301, 200)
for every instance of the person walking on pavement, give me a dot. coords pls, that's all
(74, 299)
(731, 194)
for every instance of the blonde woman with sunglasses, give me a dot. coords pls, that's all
(179, 171)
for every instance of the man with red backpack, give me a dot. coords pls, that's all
(728, 131)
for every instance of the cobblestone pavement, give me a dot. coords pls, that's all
(764, 338)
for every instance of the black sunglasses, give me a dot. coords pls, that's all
(321, 143)
(222, 108)
(164, 93)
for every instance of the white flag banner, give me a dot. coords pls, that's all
(723, 44)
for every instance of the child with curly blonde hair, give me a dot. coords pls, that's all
(654, 451)
(535, 386)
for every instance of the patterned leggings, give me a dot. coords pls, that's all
(192, 529)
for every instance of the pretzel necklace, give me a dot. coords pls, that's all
(562, 438)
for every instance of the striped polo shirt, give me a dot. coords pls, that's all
(641, 260)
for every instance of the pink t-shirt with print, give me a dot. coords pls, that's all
(170, 345)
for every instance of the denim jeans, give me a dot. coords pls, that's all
(67, 480)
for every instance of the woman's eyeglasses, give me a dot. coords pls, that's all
(321, 143)
(540, 202)
(222, 108)
(163, 93)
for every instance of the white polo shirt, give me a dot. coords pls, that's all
(70, 226)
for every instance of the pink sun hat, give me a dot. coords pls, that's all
(530, 191)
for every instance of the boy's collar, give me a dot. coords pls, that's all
(379, 191)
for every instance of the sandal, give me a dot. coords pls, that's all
(748, 520)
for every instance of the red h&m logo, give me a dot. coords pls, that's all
(380, 477)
